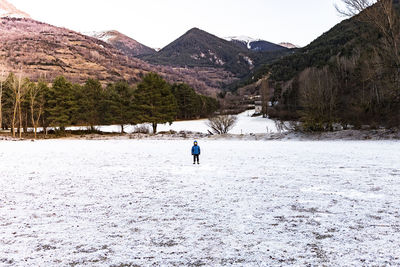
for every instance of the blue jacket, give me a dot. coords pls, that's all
(195, 150)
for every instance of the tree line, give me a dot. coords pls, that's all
(25, 104)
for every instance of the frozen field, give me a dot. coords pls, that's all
(143, 203)
(245, 125)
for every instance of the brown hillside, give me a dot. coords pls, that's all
(43, 50)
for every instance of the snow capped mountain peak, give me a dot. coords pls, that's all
(253, 44)
(122, 42)
(243, 39)
(9, 10)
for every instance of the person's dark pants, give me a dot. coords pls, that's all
(196, 157)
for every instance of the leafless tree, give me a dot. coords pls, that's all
(1, 97)
(143, 129)
(264, 91)
(318, 96)
(286, 126)
(36, 103)
(18, 89)
(382, 15)
(353, 7)
(222, 124)
(14, 86)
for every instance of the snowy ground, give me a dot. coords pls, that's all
(245, 125)
(142, 203)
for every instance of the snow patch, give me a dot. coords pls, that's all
(249, 61)
(104, 36)
(244, 39)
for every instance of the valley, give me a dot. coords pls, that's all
(297, 147)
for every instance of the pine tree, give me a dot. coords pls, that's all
(189, 103)
(91, 96)
(120, 104)
(208, 105)
(8, 101)
(62, 104)
(155, 101)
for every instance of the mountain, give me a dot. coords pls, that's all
(347, 75)
(45, 51)
(257, 45)
(9, 10)
(202, 60)
(123, 43)
(340, 40)
(42, 49)
(197, 48)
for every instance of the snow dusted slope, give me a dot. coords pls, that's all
(143, 203)
(105, 36)
(122, 42)
(255, 44)
(9, 10)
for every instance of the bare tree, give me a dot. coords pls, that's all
(14, 86)
(21, 93)
(18, 92)
(353, 7)
(264, 90)
(318, 95)
(382, 15)
(222, 124)
(1, 98)
(36, 103)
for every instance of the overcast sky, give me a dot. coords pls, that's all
(158, 22)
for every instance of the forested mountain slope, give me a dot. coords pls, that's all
(349, 75)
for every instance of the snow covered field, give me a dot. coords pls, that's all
(245, 125)
(143, 203)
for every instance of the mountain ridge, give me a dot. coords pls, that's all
(45, 51)
(198, 48)
(257, 45)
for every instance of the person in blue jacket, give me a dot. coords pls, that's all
(196, 153)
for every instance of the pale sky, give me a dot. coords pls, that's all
(156, 23)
